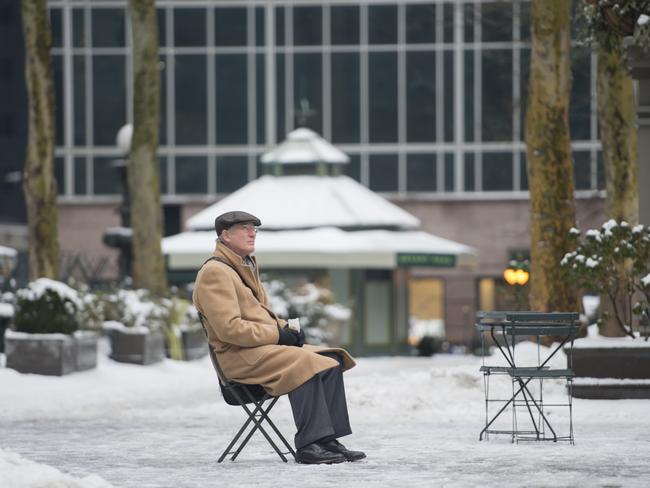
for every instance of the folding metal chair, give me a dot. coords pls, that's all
(246, 396)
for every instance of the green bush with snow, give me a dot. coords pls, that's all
(614, 261)
(47, 306)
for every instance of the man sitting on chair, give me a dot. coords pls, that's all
(254, 346)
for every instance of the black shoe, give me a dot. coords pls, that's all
(315, 454)
(336, 446)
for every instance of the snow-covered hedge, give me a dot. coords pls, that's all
(46, 307)
(614, 261)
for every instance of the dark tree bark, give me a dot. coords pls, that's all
(550, 169)
(39, 184)
(143, 169)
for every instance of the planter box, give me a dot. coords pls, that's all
(85, 350)
(137, 347)
(50, 354)
(598, 391)
(614, 362)
(195, 345)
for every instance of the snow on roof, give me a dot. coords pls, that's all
(305, 201)
(323, 247)
(305, 146)
(8, 251)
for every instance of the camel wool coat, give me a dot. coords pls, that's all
(243, 330)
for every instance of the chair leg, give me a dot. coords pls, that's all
(258, 426)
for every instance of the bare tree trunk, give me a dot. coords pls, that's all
(550, 169)
(39, 184)
(618, 134)
(143, 170)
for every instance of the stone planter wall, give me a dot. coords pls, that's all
(195, 345)
(50, 354)
(629, 362)
(137, 348)
(627, 370)
(85, 350)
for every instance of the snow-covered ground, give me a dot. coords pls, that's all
(418, 419)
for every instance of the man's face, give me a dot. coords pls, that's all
(241, 238)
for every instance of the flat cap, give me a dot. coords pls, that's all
(228, 219)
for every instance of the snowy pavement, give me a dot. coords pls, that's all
(418, 420)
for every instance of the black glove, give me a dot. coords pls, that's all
(301, 337)
(287, 337)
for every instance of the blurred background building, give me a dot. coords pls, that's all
(426, 97)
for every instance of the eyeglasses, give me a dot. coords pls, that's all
(248, 228)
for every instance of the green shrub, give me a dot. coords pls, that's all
(47, 307)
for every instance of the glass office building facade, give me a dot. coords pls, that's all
(427, 98)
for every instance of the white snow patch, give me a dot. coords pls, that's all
(646, 280)
(18, 472)
(6, 310)
(643, 19)
(36, 289)
(591, 263)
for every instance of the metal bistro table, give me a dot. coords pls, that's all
(504, 328)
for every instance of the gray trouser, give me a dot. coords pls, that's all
(319, 407)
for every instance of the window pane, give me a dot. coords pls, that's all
(57, 71)
(449, 172)
(420, 97)
(469, 172)
(260, 27)
(191, 174)
(162, 26)
(279, 26)
(191, 102)
(345, 25)
(420, 23)
(468, 17)
(448, 21)
(345, 97)
(580, 105)
(496, 21)
(421, 172)
(524, 173)
(600, 167)
(232, 111)
(382, 99)
(497, 172)
(449, 95)
(523, 84)
(497, 95)
(79, 80)
(109, 102)
(232, 173)
(189, 27)
(162, 130)
(260, 99)
(469, 95)
(105, 176)
(163, 176)
(230, 27)
(80, 187)
(78, 28)
(59, 175)
(582, 170)
(56, 27)
(524, 20)
(382, 24)
(383, 172)
(279, 100)
(108, 27)
(308, 91)
(307, 26)
(353, 168)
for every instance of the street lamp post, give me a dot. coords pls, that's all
(120, 237)
(517, 275)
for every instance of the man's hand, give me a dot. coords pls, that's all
(290, 337)
(287, 337)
